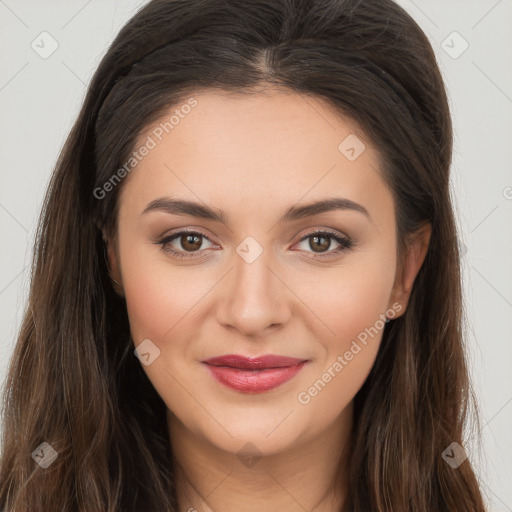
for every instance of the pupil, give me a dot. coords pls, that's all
(189, 242)
(325, 244)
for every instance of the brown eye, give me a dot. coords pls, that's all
(320, 243)
(184, 244)
(191, 242)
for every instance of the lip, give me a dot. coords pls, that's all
(253, 375)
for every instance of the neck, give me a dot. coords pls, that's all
(309, 476)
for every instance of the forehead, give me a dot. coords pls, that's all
(270, 145)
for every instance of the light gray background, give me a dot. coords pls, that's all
(40, 98)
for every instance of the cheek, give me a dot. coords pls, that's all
(162, 307)
(359, 303)
(156, 299)
(350, 298)
(353, 305)
(147, 302)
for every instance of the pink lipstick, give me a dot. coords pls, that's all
(253, 375)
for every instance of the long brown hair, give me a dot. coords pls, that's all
(74, 381)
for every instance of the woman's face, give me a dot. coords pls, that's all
(259, 281)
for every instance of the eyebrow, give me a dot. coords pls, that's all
(182, 207)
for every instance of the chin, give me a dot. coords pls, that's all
(248, 433)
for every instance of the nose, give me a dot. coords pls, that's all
(255, 299)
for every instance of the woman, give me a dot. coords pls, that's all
(310, 355)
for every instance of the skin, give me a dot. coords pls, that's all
(254, 156)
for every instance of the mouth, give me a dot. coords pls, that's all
(254, 375)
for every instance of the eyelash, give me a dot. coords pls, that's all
(345, 243)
